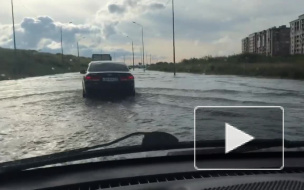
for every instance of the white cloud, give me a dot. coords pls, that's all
(223, 40)
(112, 14)
(203, 27)
(54, 45)
(43, 31)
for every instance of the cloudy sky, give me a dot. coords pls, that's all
(203, 27)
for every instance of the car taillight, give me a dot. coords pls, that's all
(131, 77)
(89, 77)
(126, 78)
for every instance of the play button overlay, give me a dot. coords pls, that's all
(235, 138)
(229, 138)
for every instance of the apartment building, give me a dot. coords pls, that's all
(245, 45)
(252, 43)
(271, 42)
(261, 42)
(297, 36)
(278, 41)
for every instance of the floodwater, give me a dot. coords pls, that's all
(44, 115)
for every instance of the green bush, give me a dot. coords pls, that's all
(23, 63)
(242, 64)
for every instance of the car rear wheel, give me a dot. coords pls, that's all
(131, 92)
(84, 95)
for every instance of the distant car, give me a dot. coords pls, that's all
(104, 77)
(101, 57)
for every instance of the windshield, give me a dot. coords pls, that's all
(99, 67)
(225, 53)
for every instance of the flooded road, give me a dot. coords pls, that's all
(43, 115)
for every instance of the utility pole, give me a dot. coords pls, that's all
(124, 59)
(13, 18)
(150, 58)
(173, 37)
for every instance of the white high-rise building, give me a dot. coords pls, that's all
(297, 36)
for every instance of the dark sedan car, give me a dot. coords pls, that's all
(103, 77)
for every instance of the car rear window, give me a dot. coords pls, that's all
(107, 67)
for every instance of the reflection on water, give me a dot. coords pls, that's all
(43, 115)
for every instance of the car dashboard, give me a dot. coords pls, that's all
(170, 172)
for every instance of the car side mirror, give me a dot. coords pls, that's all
(83, 72)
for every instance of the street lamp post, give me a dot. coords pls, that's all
(143, 45)
(141, 57)
(61, 44)
(173, 20)
(78, 45)
(132, 51)
(78, 49)
(13, 18)
(16, 68)
(61, 38)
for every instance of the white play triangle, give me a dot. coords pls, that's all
(235, 138)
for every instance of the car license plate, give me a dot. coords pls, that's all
(110, 79)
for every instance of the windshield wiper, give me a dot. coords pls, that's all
(152, 141)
